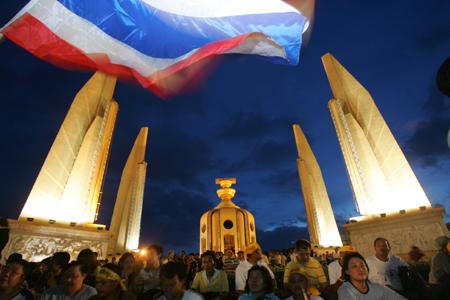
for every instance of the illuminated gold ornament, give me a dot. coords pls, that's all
(227, 226)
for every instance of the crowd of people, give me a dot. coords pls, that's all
(298, 274)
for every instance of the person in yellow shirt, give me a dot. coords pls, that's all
(306, 264)
(210, 280)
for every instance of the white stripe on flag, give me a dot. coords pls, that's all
(220, 8)
(91, 40)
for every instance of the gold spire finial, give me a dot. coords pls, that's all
(226, 193)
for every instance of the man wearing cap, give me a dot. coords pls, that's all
(383, 268)
(335, 267)
(440, 267)
(316, 275)
(254, 255)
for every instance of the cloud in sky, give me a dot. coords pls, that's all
(281, 237)
(428, 142)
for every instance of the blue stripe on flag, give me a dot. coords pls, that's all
(161, 34)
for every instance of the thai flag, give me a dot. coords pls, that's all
(150, 40)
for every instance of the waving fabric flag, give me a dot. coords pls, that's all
(149, 40)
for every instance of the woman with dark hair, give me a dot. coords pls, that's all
(357, 286)
(259, 285)
(128, 270)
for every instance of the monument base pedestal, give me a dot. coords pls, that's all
(404, 229)
(36, 240)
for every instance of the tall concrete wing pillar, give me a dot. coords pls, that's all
(388, 195)
(322, 225)
(126, 219)
(69, 183)
(381, 177)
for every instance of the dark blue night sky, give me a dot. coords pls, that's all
(239, 122)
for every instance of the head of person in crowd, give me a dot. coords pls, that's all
(14, 257)
(415, 254)
(73, 278)
(229, 253)
(346, 249)
(88, 258)
(154, 253)
(190, 258)
(12, 277)
(253, 253)
(259, 282)
(241, 255)
(170, 255)
(299, 285)
(208, 262)
(355, 268)
(181, 255)
(108, 282)
(127, 264)
(302, 251)
(382, 248)
(442, 243)
(173, 278)
(59, 262)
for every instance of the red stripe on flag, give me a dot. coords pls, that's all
(32, 35)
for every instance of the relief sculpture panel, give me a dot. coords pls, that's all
(36, 248)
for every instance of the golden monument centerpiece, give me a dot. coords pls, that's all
(227, 226)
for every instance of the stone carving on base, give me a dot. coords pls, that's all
(36, 241)
(40, 247)
(416, 228)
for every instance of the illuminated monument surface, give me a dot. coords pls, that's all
(126, 219)
(319, 214)
(227, 226)
(61, 210)
(68, 186)
(386, 190)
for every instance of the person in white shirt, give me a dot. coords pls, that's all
(254, 255)
(383, 268)
(357, 286)
(335, 267)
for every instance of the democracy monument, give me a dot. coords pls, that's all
(62, 207)
(61, 211)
